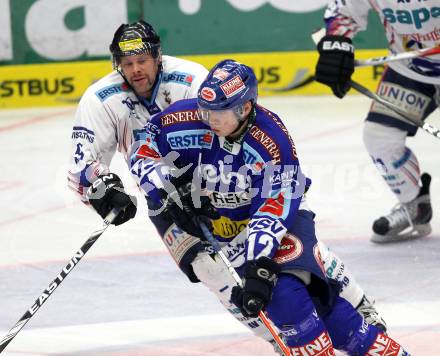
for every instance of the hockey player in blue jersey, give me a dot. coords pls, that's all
(225, 160)
(111, 114)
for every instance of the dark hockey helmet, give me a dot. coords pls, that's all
(229, 85)
(133, 39)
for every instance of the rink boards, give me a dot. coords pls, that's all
(55, 84)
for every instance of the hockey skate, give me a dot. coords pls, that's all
(406, 221)
(370, 314)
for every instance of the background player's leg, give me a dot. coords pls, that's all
(400, 169)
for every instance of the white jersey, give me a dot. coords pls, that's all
(409, 25)
(110, 115)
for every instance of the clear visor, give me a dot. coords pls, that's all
(209, 116)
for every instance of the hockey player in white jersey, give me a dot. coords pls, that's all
(413, 85)
(111, 116)
(115, 109)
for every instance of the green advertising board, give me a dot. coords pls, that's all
(40, 31)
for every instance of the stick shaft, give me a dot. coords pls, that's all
(305, 80)
(57, 281)
(425, 52)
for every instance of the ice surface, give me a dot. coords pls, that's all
(126, 297)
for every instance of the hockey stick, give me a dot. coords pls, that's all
(317, 35)
(425, 126)
(363, 90)
(57, 281)
(261, 315)
(424, 52)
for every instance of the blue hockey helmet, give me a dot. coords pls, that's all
(133, 39)
(229, 85)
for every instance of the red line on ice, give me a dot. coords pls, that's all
(34, 120)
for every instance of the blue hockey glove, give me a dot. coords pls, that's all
(107, 192)
(259, 280)
(335, 64)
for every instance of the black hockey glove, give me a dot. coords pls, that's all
(259, 280)
(106, 193)
(181, 209)
(335, 64)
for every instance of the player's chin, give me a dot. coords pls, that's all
(218, 132)
(142, 86)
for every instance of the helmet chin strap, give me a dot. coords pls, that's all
(239, 113)
(245, 122)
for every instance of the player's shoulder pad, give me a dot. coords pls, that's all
(108, 86)
(181, 71)
(272, 138)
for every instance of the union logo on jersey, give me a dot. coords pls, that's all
(290, 248)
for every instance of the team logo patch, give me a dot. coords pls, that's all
(267, 142)
(146, 151)
(252, 158)
(322, 345)
(318, 258)
(384, 345)
(178, 242)
(179, 117)
(178, 77)
(232, 86)
(108, 91)
(410, 101)
(226, 228)
(190, 139)
(274, 206)
(131, 45)
(208, 94)
(290, 248)
(230, 200)
(84, 133)
(220, 74)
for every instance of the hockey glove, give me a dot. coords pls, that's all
(181, 209)
(335, 64)
(106, 193)
(259, 279)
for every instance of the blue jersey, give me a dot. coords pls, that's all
(254, 182)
